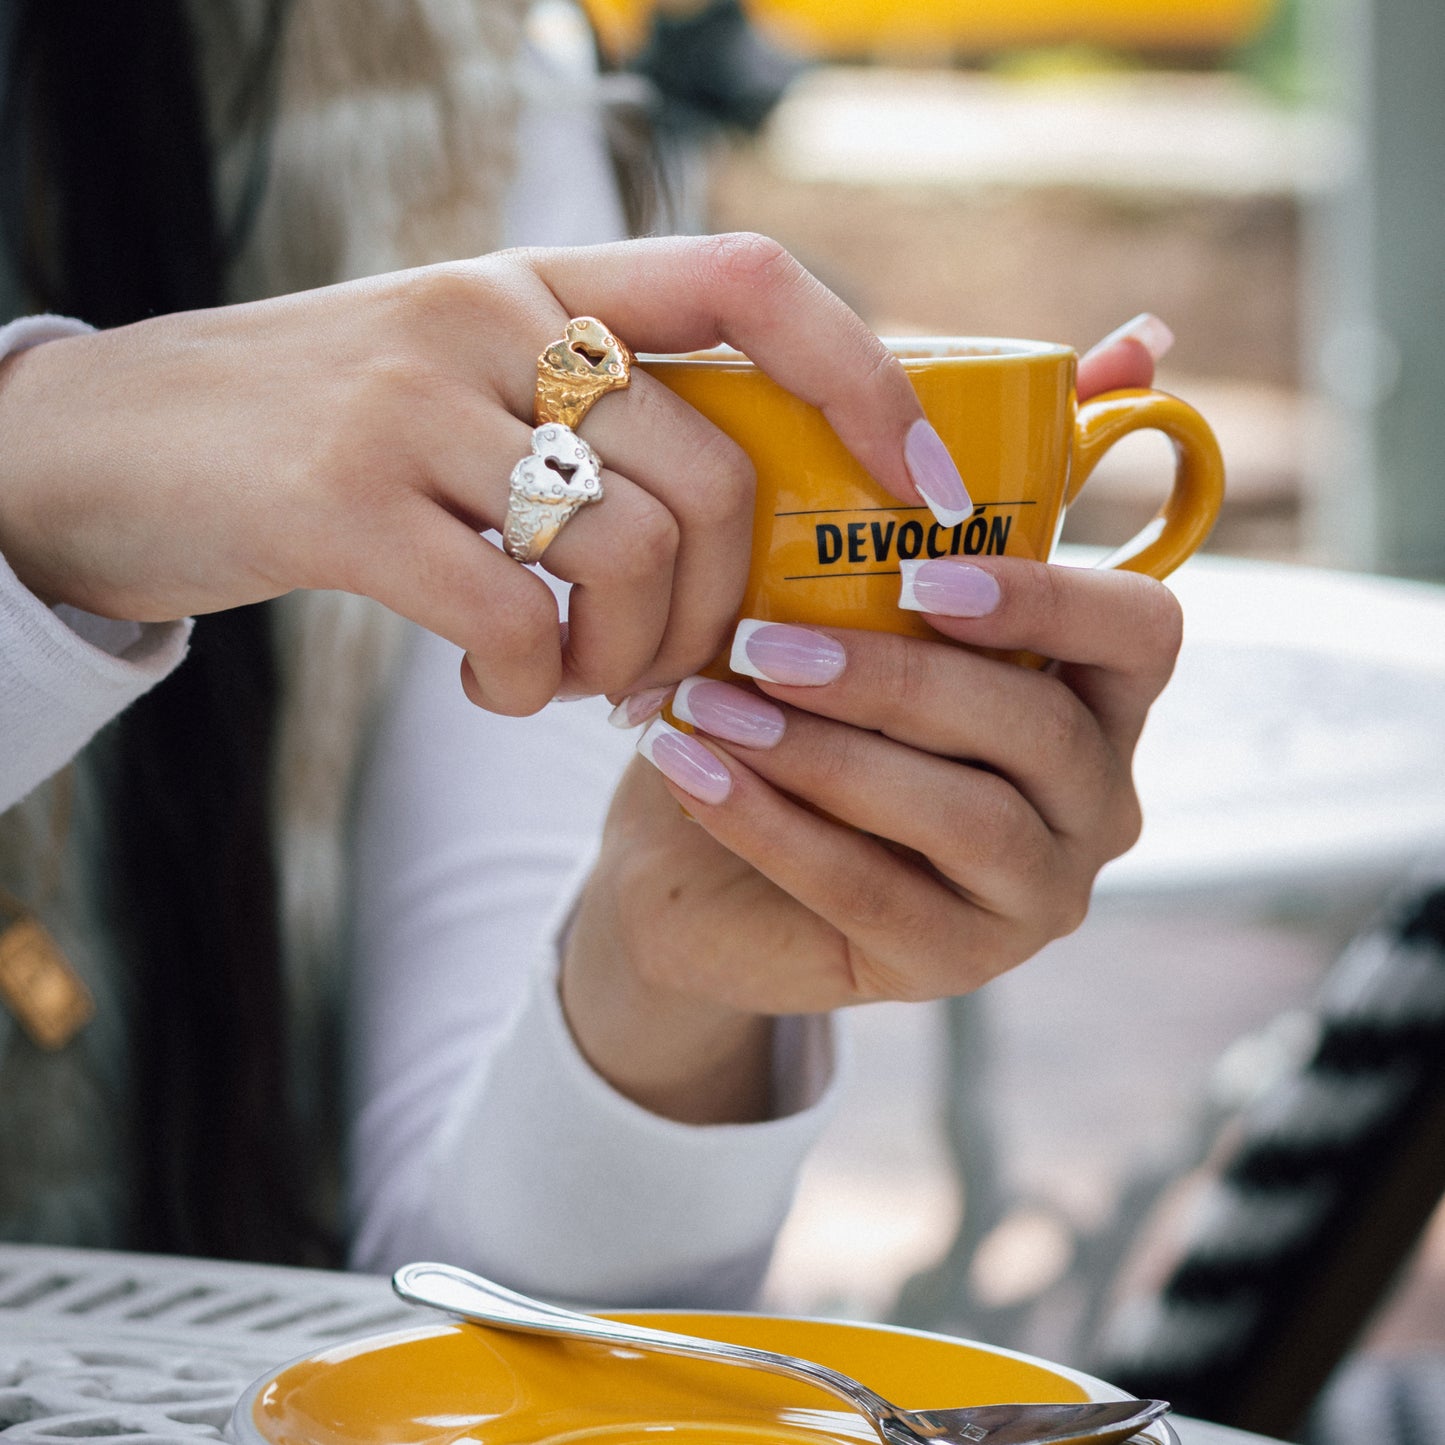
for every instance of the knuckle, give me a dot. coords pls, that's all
(1125, 825)
(505, 697)
(865, 902)
(987, 821)
(1066, 728)
(526, 259)
(1158, 620)
(749, 260)
(438, 295)
(872, 978)
(495, 690)
(990, 827)
(521, 630)
(1052, 597)
(881, 371)
(1070, 901)
(834, 767)
(727, 478)
(650, 549)
(1034, 853)
(900, 674)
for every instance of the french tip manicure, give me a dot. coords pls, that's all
(908, 598)
(635, 709)
(783, 653)
(947, 588)
(734, 714)
(1147, 329)
(933, 472)
(947, 517)
(685, 761)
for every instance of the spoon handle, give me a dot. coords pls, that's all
(445, 1287)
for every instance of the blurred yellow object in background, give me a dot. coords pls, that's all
(841, 29)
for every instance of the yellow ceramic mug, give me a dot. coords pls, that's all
(827, 539)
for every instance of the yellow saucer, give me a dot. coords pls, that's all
(459, 1382)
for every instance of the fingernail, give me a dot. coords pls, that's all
(949, 588)
(686, 762)
(731, 713)
(934, 474)
(777, 652)
(1147, 328)
(632, 711)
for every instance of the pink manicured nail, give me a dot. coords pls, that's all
(686, 762)
(731, 713)
(932, 471)
(778, 652)
(1146, 328)
(949, 588)
(635, 710)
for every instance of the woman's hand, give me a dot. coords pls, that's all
(361, 437)
(921, 822)
(989, 796)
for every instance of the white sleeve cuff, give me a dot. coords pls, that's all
(548, 1178)
(57, 690)
(64, 673)
(27, 331)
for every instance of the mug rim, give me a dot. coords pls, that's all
(908, 348)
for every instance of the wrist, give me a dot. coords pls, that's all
(683, 1057)
(17, 338)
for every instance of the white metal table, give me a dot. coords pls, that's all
(1300, 746)
(148, 1350)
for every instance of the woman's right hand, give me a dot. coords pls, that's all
(361, 437)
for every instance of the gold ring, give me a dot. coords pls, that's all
(586, 363)
(560, 475)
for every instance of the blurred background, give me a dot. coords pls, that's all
(1267, 176)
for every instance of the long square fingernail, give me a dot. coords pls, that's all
(731, 713)
(933, 472)
(780, 652)
(686, 762)
(1147, 329)
(948, 588)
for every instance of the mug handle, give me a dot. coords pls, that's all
(1184, 521)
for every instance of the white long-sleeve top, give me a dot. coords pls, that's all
(479, 1133)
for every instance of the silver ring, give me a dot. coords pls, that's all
(559, 476)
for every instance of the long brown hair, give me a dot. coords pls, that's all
(110, 214)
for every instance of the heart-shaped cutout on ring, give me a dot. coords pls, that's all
(589, 349)
(562, 468)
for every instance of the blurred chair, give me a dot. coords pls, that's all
(1234, 1285)
(1254, 1274)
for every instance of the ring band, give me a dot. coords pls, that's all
(559, 476)
(573, 372)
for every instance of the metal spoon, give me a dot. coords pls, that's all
(444, 1287)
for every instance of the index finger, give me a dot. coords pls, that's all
(685, 293)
